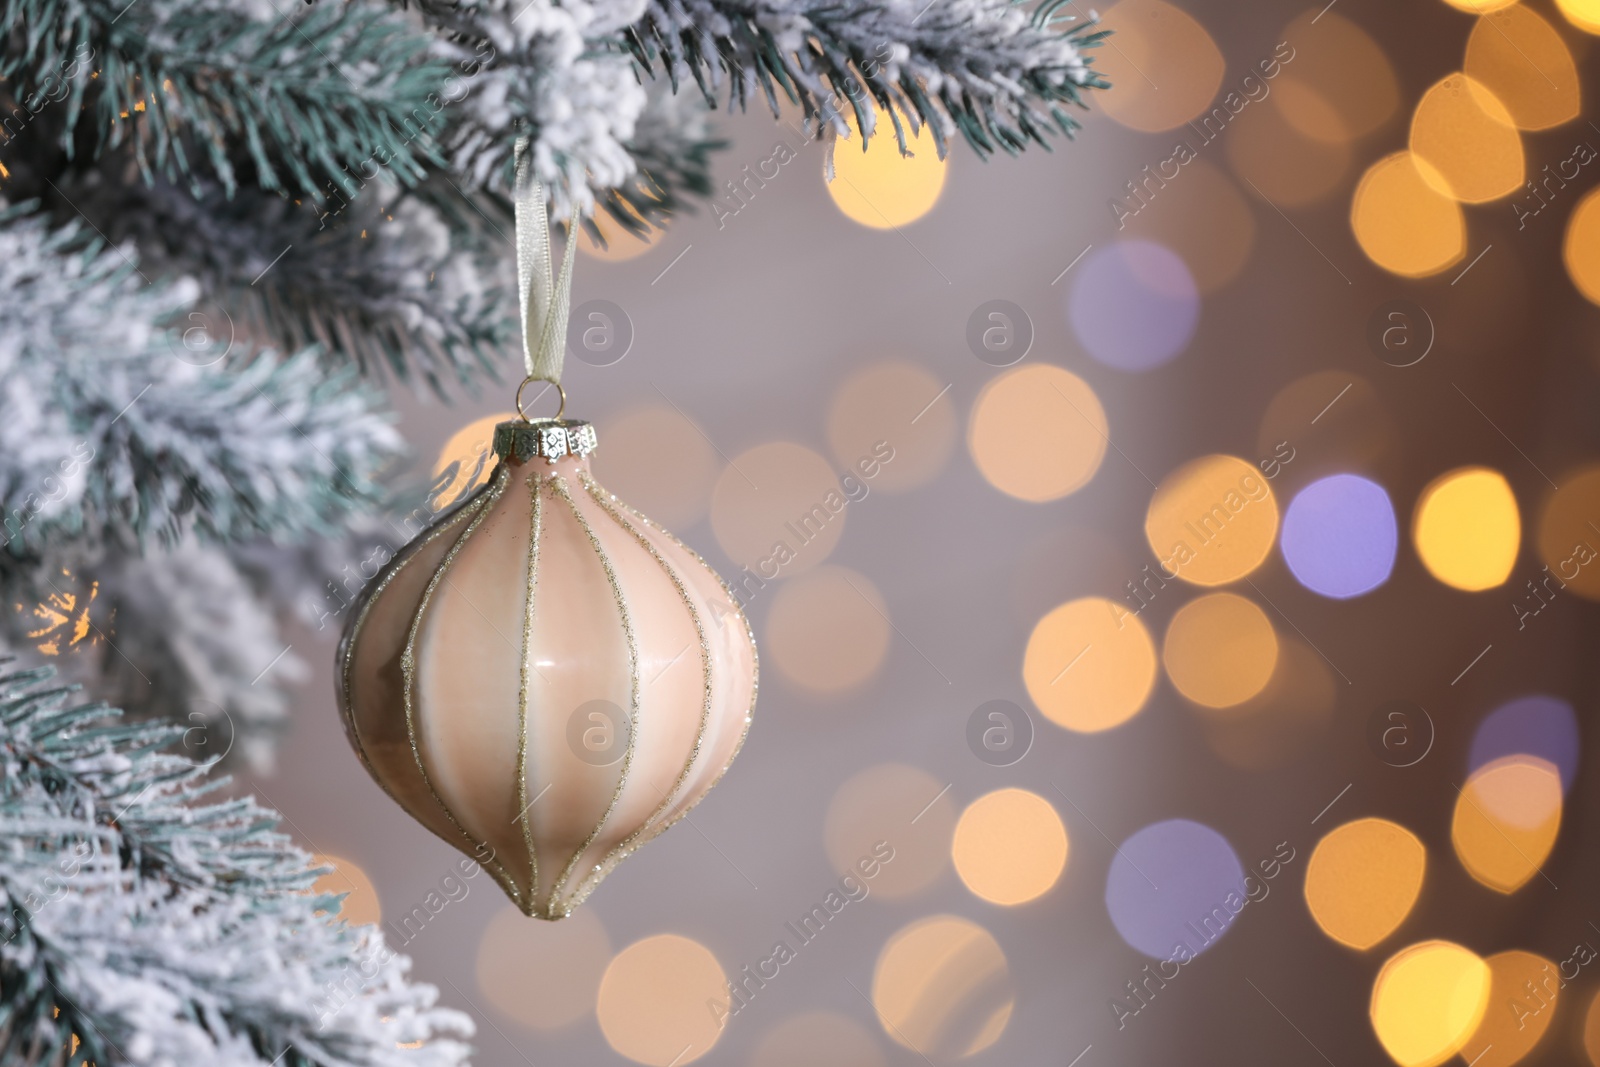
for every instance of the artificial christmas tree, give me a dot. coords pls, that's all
(224, 227)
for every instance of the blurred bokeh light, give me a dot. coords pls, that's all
(466, 459)
(659, 462)
(1427, 1001)
(1584, 14)
(1538, 725)
(1010, 846)
(1506, 820)
(1478, 7)
(1220, 650)
(1465, 137)
(879, 187)
(1581, 250)
(1520, 57)
(1523, 993)
(1347, 69)
(1133, 304)
(828, 630)
(1402, 222)
(1340, 537)
(361, 906)
(905, 807)
(942, 987)
(1569, 535)
(1089, 665)
(1174, 888)
(1213, 520)
(1153, 38)
(1363, 879)
(1591, 1031)
(778, 508)
(1270, 147)
(543, 975)
(897, 403)
(1467, 528)
(620, 245)
(818, 1037)
(654, 1000)
(1037, 432)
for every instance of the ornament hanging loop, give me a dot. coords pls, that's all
(560, 393)
(544, 296)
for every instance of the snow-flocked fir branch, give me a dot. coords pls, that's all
(133, 460)
(112, 433)
(200, 87)
(143, 921)
(383, 277)
(994, 72)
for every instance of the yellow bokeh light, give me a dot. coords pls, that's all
(828, 630)
(1584, 14)
(620, 245)
(62, 621)
(1591, 1031)
(543, 975)
(659, 462)
(893, 822)
(655, 997)
(899, 404)
(361, 906)
(1153, 41)
(1581, 249)
(1363, 879)
(942, 987)
(1466, 136)
(1402, 222)
(1010, 846)
(466, 460)
(1521, 58)
(1568, 545)
(1089, 665)
(1038, 432)
(1467, 528)
(1506, 820)
(1213, 520)
(1522, 1002)
(1427, 1000)
(880, 188)
(1220, 650)
(1479, 7)
(778, 509)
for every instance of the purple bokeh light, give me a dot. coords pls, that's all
(1133, 305)
(1538, 725)
(1340, 536)
(1171, 883)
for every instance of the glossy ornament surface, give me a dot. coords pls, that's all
(544, 678)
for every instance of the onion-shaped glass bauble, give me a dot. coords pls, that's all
(544, 678)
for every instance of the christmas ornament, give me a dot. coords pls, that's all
(544, 678)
